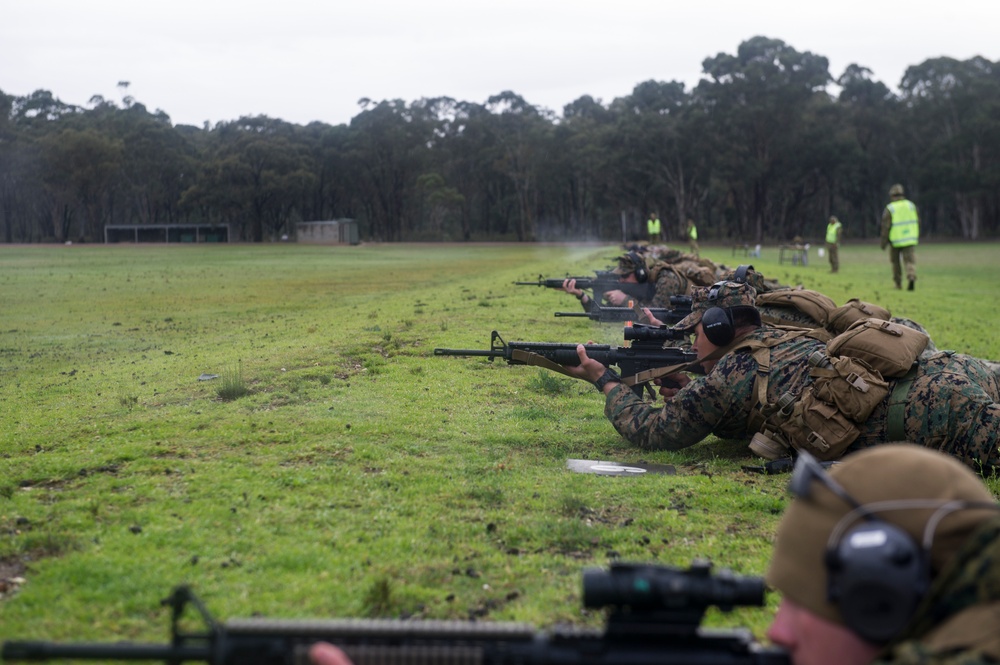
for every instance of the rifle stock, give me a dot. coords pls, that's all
(653, 616)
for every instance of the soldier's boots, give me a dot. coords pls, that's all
(910, 286)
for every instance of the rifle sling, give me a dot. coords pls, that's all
(529, 358)
(650, 374)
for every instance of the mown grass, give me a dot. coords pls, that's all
(358, 475)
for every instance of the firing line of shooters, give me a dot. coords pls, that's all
(890, 555)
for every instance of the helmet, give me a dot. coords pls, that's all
(896, 190)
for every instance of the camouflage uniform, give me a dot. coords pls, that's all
(953, 403)
(958, 622)
(668, 283)
(664, 282)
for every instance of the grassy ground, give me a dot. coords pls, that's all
(359, 475)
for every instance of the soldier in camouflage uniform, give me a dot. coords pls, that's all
(910, 577)
(661, 281)
(949, 401)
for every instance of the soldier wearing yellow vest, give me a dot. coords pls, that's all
(833, 230)
(901, 229)
(653, 228)
(692, 236)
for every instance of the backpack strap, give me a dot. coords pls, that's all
(895, 416)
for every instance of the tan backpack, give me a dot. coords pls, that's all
(844, 317)
(813, 304)
(889, 348)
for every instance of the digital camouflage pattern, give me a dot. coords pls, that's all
(668, 283)
(723, 294)
(627, 263)
(959, 623)
(953, 404)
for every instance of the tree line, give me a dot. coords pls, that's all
(759, 150)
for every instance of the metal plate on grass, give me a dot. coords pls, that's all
(602, 468)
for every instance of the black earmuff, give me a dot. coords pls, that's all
(717, 322)
(641, 271)
(876, 575)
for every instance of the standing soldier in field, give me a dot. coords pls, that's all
(833, 230)
(653, 228)
(901, 229)
(692, 235)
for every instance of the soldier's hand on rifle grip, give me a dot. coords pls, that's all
(650, 319)
(671, 384)
(616, 297)
(322, 653)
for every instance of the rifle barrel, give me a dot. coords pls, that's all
(83, 651)
(485, 353)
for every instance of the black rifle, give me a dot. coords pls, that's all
(604, 281)
(654, 614)
(680, 307)
(645, 353)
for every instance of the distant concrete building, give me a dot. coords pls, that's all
(115, 233)
(338, 231)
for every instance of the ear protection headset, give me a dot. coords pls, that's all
(717, 322)
(641, 271)
(877, 573)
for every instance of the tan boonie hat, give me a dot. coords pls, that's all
(720, 294)
(888, 472)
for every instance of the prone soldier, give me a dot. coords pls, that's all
(786, 389)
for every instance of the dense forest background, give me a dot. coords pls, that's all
(760, 150)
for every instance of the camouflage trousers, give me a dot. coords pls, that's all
(834, 251)
(953, 405)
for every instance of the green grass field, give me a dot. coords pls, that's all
(359, 475)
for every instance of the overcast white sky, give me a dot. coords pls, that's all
(302, 60)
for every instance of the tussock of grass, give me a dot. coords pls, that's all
(231, 384)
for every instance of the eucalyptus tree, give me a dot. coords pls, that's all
(253, 176)
(756, 100)
(667, 151)
(472, 145)
(28, 212)
(870, 115)
(158, 163)
(9, 174)
(521, 136)
(955, 105)
(389, 146)
(331, 194)
(581, 179)
(79, 172)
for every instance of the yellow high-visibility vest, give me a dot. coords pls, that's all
(905, 229)
(653, 225)
(832, 230)
(693, 233)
